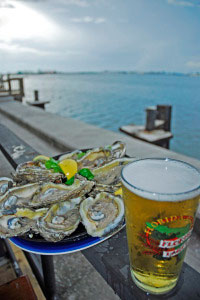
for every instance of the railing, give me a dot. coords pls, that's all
(12, 87)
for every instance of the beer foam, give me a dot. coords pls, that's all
(162, 179)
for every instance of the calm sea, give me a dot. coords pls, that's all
(110, 100)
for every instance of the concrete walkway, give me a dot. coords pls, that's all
(50, 134)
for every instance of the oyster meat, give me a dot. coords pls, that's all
(5, 184)
(102, 214)
(34, 171)
(61, 220)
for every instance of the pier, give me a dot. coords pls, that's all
(12, 88)
(157, 128)
(36, 102)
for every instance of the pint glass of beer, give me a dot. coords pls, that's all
(161, 197)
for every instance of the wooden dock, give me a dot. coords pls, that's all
(157, 128)
(12, 87)
(36, 102)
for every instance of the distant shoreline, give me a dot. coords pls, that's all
(196, 74)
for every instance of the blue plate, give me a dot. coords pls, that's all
(63, 247)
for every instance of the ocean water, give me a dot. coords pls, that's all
(110, 100)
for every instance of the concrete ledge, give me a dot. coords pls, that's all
(69, 134)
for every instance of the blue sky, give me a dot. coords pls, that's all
(97, 35)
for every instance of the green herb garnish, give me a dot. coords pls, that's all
(53, 164)
(81, 154)
(70, 181)
(86, 173)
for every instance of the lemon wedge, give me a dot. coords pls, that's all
(41, 158)
(118, 192)
(69, 167)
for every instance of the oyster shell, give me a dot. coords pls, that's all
(102, 214)
(43, 194)
(34, 171)
(99, 156)
(19, 197)
(10, 225)
(20, 222)
(5, 184)
(117, 149)
(110, 172)
(71, 155)
(61, 220)
(98, 188)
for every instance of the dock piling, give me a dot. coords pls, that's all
(36, 95)
(36, 102)
(151, 115)
(164, 113)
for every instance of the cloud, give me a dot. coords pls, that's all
(193, 64)
(99, 20)
(15, 48)
(181, 3)
(5, 4)
(88, 19)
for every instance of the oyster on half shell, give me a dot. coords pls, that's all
(102, 214)
(43, 194)
(110, 172)
(99, 156)
(34, 171)
(10, 225)
(61, 220)
(20, 222)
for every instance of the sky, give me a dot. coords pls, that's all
(99, 35)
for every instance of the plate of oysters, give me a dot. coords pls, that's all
(66, 203)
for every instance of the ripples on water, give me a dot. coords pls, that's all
(112, 100)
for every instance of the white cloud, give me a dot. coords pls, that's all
(20, 23)
(88, 19)
(15, 48)
(193, 64)
(5, 4)
(181, 3)
(99, 20)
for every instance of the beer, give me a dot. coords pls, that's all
(161, 198)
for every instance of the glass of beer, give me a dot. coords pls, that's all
(161, 197)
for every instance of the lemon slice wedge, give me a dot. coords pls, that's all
(69, 167)
(118, 192)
